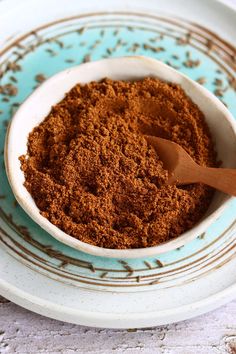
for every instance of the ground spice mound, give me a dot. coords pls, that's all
(92, 173)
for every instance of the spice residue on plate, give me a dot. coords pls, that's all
(92, 173)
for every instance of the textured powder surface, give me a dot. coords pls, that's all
(92, 173)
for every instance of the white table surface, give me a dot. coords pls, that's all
(22, 331)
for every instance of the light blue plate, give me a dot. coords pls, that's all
(46, 51)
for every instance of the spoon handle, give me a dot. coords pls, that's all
(223, 179)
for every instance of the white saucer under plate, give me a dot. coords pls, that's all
(39, 273)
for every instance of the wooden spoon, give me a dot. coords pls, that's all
(183, 170)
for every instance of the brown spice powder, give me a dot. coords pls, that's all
(92, 173)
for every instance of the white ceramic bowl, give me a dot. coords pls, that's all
(37, 106)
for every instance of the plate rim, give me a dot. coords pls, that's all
(226, 3)
(114, 320)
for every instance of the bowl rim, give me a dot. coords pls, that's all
(65, 238)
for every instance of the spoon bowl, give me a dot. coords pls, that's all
(38, 105)
(183, 169)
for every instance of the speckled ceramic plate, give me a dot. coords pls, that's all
(50, 278)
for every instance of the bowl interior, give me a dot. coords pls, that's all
(39, 104)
